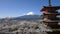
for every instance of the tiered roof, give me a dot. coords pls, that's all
(50, 8)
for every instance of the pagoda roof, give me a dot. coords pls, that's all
(50, 8)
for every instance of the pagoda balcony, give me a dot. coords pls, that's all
(50, 20)
(52, 12)
(51, 30)
(56, 29)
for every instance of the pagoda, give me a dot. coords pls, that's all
(50, 18)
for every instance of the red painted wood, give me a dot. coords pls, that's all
(51, 24)
(53, 8)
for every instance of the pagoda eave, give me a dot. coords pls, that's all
(50, 8)
(52, 13)
(55, 32)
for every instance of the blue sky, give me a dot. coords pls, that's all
(15, 8)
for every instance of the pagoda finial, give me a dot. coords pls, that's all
(49, 2)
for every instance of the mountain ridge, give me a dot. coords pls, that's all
(25, 17)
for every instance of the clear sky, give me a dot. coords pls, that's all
(15, 8)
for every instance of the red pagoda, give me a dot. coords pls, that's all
(50, 18)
